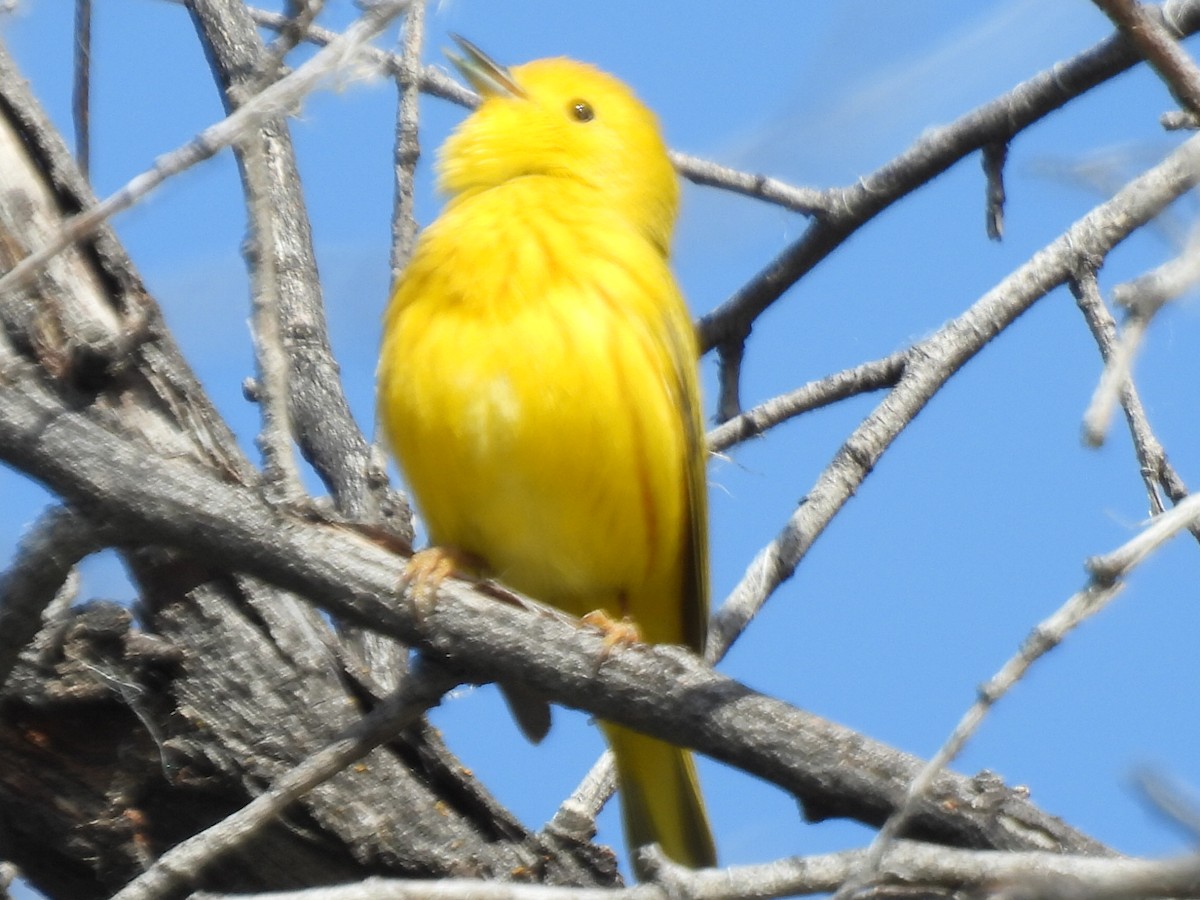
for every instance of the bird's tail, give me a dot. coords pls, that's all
(660, 798)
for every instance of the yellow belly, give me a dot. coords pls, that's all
(543, 440)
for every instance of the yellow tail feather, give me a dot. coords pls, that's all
(660, 798)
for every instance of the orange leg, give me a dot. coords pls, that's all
(428, 568)
(617, 632)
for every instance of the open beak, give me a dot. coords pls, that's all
(486, 75)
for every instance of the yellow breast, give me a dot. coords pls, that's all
(534, 402)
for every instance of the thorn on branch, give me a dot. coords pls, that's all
(1179, 120)
(729, 354)
(1103, 570)
(994, 157)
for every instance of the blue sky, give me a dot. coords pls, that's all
(975, 524)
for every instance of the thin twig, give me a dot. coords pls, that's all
(576, 816)
(930, 364)
(1115, 380)
(407, 142)
(271, 390)
(1143, 298)
(730, 354)
(1145, 31)
(300, 18)
(1117, 564)
(848, 209)
(82, 90)
(276, 100)
(1148, 293)
(1108, 573)
(1047, 635)
(798, 199)
(1155, 468)
(861, 379)
(1172, 799)
(184, 863)
(994, 157)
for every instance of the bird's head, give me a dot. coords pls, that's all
(564, 119)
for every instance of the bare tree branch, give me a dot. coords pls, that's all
(994, 157)
(1156, 470)
(1148, 293)
(183, 865)
(407, 143)
(1143, 298)
(911, 868)
(81, 92)
(861, 379)
(302, 14)
(931, 362)
(48, 553)
(451, 889)
(1112, 566)
(1047, 635)
(576, 816)
(661, 690)
(1146, 30)
(847, 209)
(317, 408)
(710, 174)
(271, 390)
(273, 101)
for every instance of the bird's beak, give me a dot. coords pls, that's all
(486, 75)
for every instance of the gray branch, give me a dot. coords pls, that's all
(663, 691)
(848, 209)
(909, 868)
(933, 361)
(320, 415)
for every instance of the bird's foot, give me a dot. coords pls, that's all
(428, 568)
(617, 632)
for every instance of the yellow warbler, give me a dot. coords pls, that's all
(537, 382)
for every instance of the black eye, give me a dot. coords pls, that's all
(581, 111)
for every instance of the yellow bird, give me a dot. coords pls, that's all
(537, 383)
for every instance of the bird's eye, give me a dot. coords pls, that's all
(581, 111)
